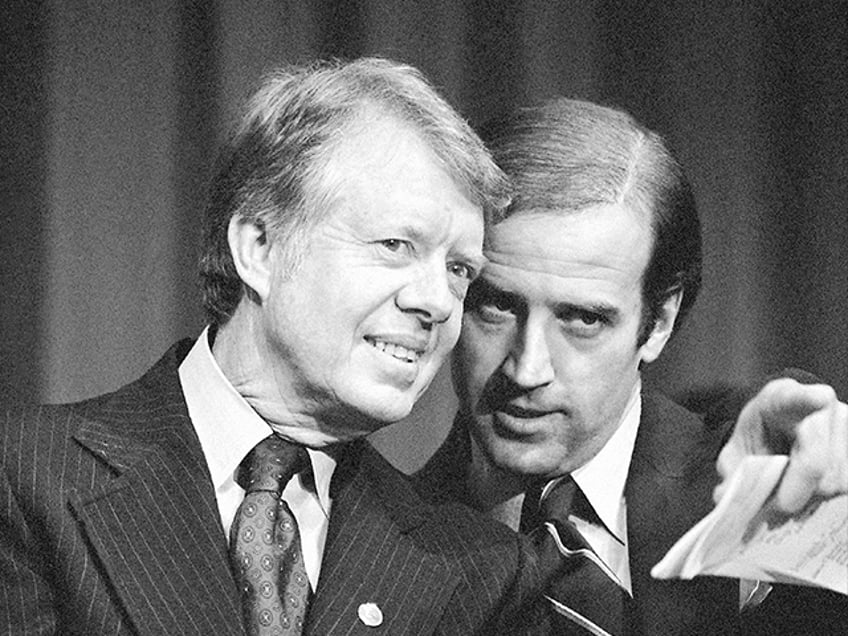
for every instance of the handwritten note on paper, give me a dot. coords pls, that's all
(745, 537)
(811, 549)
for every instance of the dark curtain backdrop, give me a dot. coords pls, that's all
(111, 114)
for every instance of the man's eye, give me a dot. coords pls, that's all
(462, 270)
(494, 312)
(500, 304)
(490, 308)
(584, 323)
(588, 318)
(393, 244)
(482, 297)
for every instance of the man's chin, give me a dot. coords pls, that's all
(393, 402)
(519, 458)
(387, 410)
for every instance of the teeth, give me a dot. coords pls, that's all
(395, 350)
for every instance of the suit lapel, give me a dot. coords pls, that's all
(375, 554)
(154, 526)
(670, 476)
(668, 490)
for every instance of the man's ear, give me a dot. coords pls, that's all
(663, 327)
(251, 251)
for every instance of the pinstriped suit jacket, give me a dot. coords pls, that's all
(109, 525)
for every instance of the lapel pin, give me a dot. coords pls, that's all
(370, 614)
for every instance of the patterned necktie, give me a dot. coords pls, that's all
(265, 543)
(584, 594)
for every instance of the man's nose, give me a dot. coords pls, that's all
(428, 295)
(529, 364)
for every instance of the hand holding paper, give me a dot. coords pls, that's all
(804, 421)
(746, 536)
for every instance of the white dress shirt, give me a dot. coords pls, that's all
(602, 480)
(228, 429)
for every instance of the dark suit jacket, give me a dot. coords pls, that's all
(668, 490)
(109, 525)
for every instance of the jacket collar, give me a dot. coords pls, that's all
(154, 526)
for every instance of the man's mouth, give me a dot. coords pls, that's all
(521, 412)
(396, 350)
(515, 422)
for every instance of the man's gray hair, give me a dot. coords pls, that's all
(272, 172)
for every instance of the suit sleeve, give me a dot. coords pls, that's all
(793, 609)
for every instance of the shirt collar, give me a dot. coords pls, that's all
(602, 478)
(227, 426)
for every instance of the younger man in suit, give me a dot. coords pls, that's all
(345, 224)
(593, 264)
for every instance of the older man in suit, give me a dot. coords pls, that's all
(593, 264)
(228, 490)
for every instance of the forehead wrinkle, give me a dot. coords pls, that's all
(432, 235)
(525, 262)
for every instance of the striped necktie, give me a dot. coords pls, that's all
(265, 542)
(584, 595)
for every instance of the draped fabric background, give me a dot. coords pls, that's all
(110, 115)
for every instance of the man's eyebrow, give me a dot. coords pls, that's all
(418, 234)
(483, 289)
(606, 311)
(414, 232)
(484, 286)
(407, 231)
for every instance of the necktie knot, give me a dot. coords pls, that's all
(566, 498)
(270, 465)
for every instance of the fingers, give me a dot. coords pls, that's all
(718, 491)
(818, 460)
(728, 459)
(749, 434)
(766, 425)
(805, 421)
(835, 480)
(783, 403)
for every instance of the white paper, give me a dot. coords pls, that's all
(746, 537)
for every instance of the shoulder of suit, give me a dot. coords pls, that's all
(673, 439)
(448, 523)
(657, 407)
(159, 382)
(30, 428)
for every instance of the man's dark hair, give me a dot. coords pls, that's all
(569, 155)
